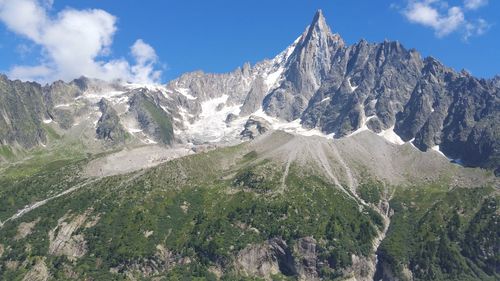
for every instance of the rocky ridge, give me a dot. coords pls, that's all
(319, 83)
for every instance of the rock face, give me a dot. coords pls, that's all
(367, 81)
(307, 260)
(254, 127)
(108, 126)
(307, 66)
(64, 242)
(265, 260)
(340, 89)
(152, 119)
(25, 229)
(162, 262)
(456, 111)
(318, 80)
(39, 272)
(22, 109)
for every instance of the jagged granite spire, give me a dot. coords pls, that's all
(309, 64)
(318, 25)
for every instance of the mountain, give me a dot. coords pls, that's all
(281, 207)
(327, 162)
(318, 81)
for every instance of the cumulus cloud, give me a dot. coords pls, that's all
(74, 43)
(445, 19)
(146, 59)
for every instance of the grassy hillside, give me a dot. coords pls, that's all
(220, 215)
(443, 233)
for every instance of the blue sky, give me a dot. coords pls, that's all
(151, 40)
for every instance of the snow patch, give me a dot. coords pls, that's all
(63, 105)
(391, 136)
(353, 88)
(165, 109)
(273, 71)
(289, 51)
(185, 114)
(185, 92)
(120, 100)
(454, 161)
(47, 121)
(134, 130)
(293, 127)
(97, 96)
(325, 99)
(272, 79)
(211, 126)
(151, 87)
(436, 148)
(149, 141)
(364, 127)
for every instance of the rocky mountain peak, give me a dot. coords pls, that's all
(496, 81)
(308, 66)
(316, 83)
(319, 31)
(433, 67)
(319, 24)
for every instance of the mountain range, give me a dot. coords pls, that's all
(317, 82)
(328, 162)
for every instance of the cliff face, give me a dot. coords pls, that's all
(318, 83)
(22, 109)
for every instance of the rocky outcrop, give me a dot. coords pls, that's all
(253, 100)
(230, 118)
(163, 261)
(254, 127)
(496, 81)
(39, 272)
(22, 109)
(456, 111)
(25, 228)
(265, 260)
(307, 259)
(108, 126)
(62, 239)
(367, 81)
(153, 120)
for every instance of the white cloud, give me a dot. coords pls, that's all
(24, 49)
(36, 73)
(477, 28)
(143, 52)
(475, 4)
(74, 43)
(146, 58)
(444, 19)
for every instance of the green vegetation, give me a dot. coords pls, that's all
(18, 191)
(264, 177)
(163, 120)
(51, 133)
(195, 209)
(6, 152)
(443, 234)
(371, 191)
(182, 219)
